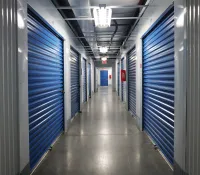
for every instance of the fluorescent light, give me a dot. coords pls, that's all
(102, 16)
(103, 49)
(104, 58)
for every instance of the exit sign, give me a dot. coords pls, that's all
(104, 62)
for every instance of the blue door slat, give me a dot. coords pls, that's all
(35, 23)
(159, 28)
(45, 85)
(84, 75)
(75, 82)
(90, 79)
(123, 88)
(39, 50)
(132, 81)
(158, 83)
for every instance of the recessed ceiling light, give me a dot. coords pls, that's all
(103, 49)
(102, 16)
(104, 58)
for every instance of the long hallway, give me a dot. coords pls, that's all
(103, 140)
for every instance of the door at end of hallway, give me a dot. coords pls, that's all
(104, 77)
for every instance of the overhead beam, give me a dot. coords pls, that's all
(98, 48)
(136, 23)
(113, 18)
(104, 33)
(119, 36)
(120, 25)
(111, 47)
(92, 7)
(111, 51)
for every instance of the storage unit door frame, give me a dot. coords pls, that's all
(75, 81)
(158, 83)
(131, 56)
(122, 83)
(89, 77)
(84, 75)
(45, 84)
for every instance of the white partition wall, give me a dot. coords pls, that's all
(9, 117)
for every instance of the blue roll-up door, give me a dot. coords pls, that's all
(123, 88)
(104, 77)
(158, 83)
(75, 82)
(45, 86)
(84, 75)
(132, 81)
(118, 78)
(89, 79)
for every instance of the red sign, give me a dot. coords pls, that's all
(110, 76)
(104, 62)
(123, 75)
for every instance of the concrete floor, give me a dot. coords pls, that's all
(104, 140)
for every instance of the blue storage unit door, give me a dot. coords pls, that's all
(158, 83)
(75, 82)
(118, 78)
(45, 86)
(84, 75)
(90, 79)
(104, 77)
(123, 88)
(132, 81)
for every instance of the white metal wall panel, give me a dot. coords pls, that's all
(193, 87)
(132, 81)
(9, 133)
(158, 83)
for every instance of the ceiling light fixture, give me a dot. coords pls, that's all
(102, 16)
(104, 58)
(103, 49)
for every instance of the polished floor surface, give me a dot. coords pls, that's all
(103, 140)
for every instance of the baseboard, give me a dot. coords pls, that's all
(26, 170)
(178, 170)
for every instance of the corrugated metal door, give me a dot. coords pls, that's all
(123, 88)
(89, 81)
(104, 77)
(158, 83)
(118, 78)
(75, 82)
(46, 85)
(84, 75)
(132, 81)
